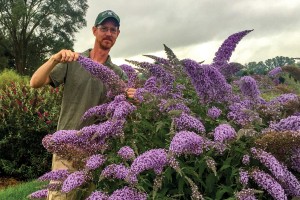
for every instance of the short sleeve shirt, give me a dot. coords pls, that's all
(81, 92)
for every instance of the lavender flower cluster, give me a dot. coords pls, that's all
(187, 122)
(291, 123)
(155, 159)
(131, 74)
(224, 53)
(74, 180)
(209, 83)
(120, 194)
(95, 161)
(249, 87)
(118, 171)
(242, 113)
(288, 181)
(274, 72)
(214, 112)
(223, 133)
(268, 183)
(110, 79)
(186, 142)
(126, 153)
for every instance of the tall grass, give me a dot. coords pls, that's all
(21, 191)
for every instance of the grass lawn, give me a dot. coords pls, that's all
(20, 191)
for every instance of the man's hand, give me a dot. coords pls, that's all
(130, 92)
(65, 55)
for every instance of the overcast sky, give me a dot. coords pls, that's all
(196, 28)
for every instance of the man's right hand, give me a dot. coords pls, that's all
(65, 55)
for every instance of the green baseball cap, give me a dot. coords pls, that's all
(107, 14)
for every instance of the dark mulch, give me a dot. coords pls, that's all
(6, 182)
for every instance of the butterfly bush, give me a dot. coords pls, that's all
(97, 195)
(117, 171)
(186, 142)
(291, 123)
(244, 177)
(55, 175)
(246, 159)
(214, 112)
(131, 74)
(126, 153)
(209, 83)
(225, 51)
(95, 161)
(40, 194)
(110, 79)
(155, 159)
(127, 193)
(274, 72)
(288, 181)
(268, 183)
(168, 90)
(187, 122)
(224, 132)
(242, 113)
(249, 87)
(74, 180)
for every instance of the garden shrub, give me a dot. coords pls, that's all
(7, 76)
(26, 116)
(192, 135)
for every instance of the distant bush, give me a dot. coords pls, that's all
(26, 116)
(7, 76)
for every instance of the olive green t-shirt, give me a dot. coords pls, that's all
(81, 91)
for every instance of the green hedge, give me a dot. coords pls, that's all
(26, 116)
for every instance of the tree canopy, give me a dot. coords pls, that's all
(33, 29)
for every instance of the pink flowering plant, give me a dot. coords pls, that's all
(191, 135)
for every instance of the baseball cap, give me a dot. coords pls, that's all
(107, 14)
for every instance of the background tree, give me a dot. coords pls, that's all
(36, 28)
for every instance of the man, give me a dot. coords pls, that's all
(81, 90)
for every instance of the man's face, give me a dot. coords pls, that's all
(106, 34)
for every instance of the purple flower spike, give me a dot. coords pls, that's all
(115, 171)
(105, 74)
(268, 183)
(154, 159)
(73, 181)
(127, 193)
(214, 112)
(209, 83)
(97, 195)
(95, 161)
(249, 87)
(246, 160)
(225, 51)
(187, 122)
(131, 74)
(55, 175)
(224, 132)
(244, 177)
(274, 72)
(291, 123)
(288, 181)
(186, 142)
(126, 153)
(40, 194)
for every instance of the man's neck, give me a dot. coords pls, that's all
(99, 55)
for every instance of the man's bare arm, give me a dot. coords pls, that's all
(41, 75)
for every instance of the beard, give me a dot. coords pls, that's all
(106, 43)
